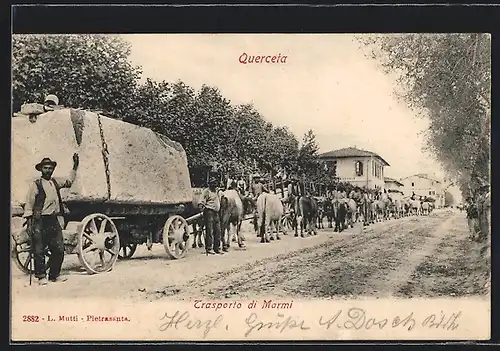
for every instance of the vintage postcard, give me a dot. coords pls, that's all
(203, 187)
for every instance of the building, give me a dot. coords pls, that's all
(424, 185)
(393, 184)
(359, 167)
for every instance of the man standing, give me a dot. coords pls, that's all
(482, 209)
(242, 186)
(210, 205)
(258, 188)
(472, 217)
(230, 181)
(43, 206)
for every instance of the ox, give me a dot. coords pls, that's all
(307, 215)
(352, 212)
(328, 211)
(366, 210)
(384, 205)
(405, 207)
(397, 208)
(231, 213)
(415, 207)
(250, 207)
(425, 208)
(339, 214)
(269, 213)
(375, 211)
(198, 224)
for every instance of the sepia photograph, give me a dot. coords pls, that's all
(250, 186)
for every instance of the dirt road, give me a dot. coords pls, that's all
(423, 256)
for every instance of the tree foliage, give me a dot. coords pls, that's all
(88, 71)
(94, 72)
(448, 77)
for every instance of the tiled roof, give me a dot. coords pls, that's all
(351, 152)
(387, 179)
(423, 175)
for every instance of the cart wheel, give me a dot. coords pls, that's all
(176, 236)
(286, 221)
(23, 257)
(98, 243)
(127, 251)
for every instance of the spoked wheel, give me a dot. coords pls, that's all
(24, 258)
(176, 236)
(98, 243)
(287, 221)
(127, 251)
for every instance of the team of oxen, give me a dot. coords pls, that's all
(272, 215)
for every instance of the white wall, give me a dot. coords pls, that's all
(346, 171)
(424, 187)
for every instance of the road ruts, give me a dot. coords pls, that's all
(378, 260)
(351, 264)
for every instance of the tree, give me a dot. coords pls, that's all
(308, 158)
(449, 199)
(284, 146)
(249, 137)
(93, 72)
(88, 71)
(448, 78)
(211, 134)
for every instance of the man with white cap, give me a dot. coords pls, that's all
(50, 102)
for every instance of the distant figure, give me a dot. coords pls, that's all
(258, 188)
(51, 100)
(483, 208)
(472, 218)
(241, 185)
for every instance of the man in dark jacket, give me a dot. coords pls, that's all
(42, 211)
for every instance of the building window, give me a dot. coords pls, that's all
(373, 168)
(412, 184)
(430, 192)
(359, 168)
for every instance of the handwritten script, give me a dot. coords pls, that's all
(183, 320)
(250, 324)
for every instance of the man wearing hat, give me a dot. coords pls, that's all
(42, 209)
(210, 205)
(258, 188)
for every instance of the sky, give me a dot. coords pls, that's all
(327, 85)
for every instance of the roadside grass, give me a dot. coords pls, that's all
(457, 268)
